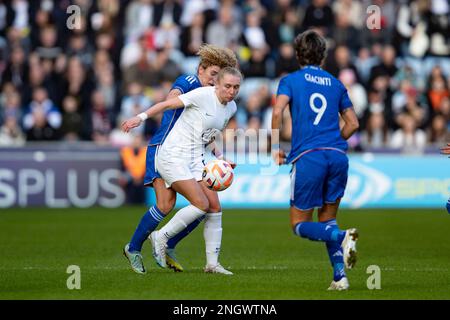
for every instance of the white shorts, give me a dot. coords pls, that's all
(173, 169)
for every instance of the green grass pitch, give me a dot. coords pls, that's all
(411, 247)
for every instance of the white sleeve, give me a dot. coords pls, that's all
(193, 98)
(234, 109)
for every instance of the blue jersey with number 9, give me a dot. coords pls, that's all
(315, 100)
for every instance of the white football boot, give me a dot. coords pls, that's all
(349, 247)
(217, 269)
(339, 285)
(135, 259)
(159, 245)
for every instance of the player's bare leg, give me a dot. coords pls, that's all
(213, 233)
(199, 205)
(165, 197)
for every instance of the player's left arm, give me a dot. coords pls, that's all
(173, 103)
(281, 103)
(351, 122)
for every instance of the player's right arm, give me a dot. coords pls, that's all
(351, 123)
(281, 103)
(173, 103)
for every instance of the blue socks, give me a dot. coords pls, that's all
(147, 225)
(177, 238)
(329, 233)
(149, 222)
(335, 253)
(317, 231)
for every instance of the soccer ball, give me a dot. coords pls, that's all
(218, 175)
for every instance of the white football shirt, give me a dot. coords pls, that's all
(202, 118)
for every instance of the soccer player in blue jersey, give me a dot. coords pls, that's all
(212, 60)
(446, 150)
(318, 154)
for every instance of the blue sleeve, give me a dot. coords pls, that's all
(284, 88)
(183, 83)
(345, 101)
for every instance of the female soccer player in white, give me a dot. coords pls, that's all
(211, 60)
(180, 159)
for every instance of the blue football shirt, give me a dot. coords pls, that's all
(184, 83)
(315, 100)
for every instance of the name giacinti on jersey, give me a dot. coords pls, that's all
(318, 80)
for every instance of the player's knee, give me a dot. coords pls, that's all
(201, 203)
(214, 206)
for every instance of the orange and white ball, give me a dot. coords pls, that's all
(218, 175)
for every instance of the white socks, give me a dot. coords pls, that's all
(213, 237)
(181, 220)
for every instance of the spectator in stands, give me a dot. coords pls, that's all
(289, 26)
(344, 33)
(16, 70)
(356, 91)
(133, 164)
(387, 66)
(413, 107)
(319, 15)
(101, 119)
(257, 66)
(408, 138)
(364, 62)
(139, 17)
(42, 107)
(342, 59)
(286, 61)
(377, 134)
(77, 83)
(437, 88)
(39, 128)
(193, 36)
(225, 32)
(108, 87)
(438, 133)
(253, 34)
(143, 70)
(48, 48)
(72, 123)
(80, 47)
(11, 134)
(11, 107)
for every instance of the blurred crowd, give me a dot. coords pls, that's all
(74, 75)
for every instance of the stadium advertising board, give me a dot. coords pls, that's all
(85, 179)
(59, 180)
(374, 181)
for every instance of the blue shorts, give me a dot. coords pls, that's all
(318, 177)
(150, 169)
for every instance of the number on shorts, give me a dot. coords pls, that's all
(319, 110)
